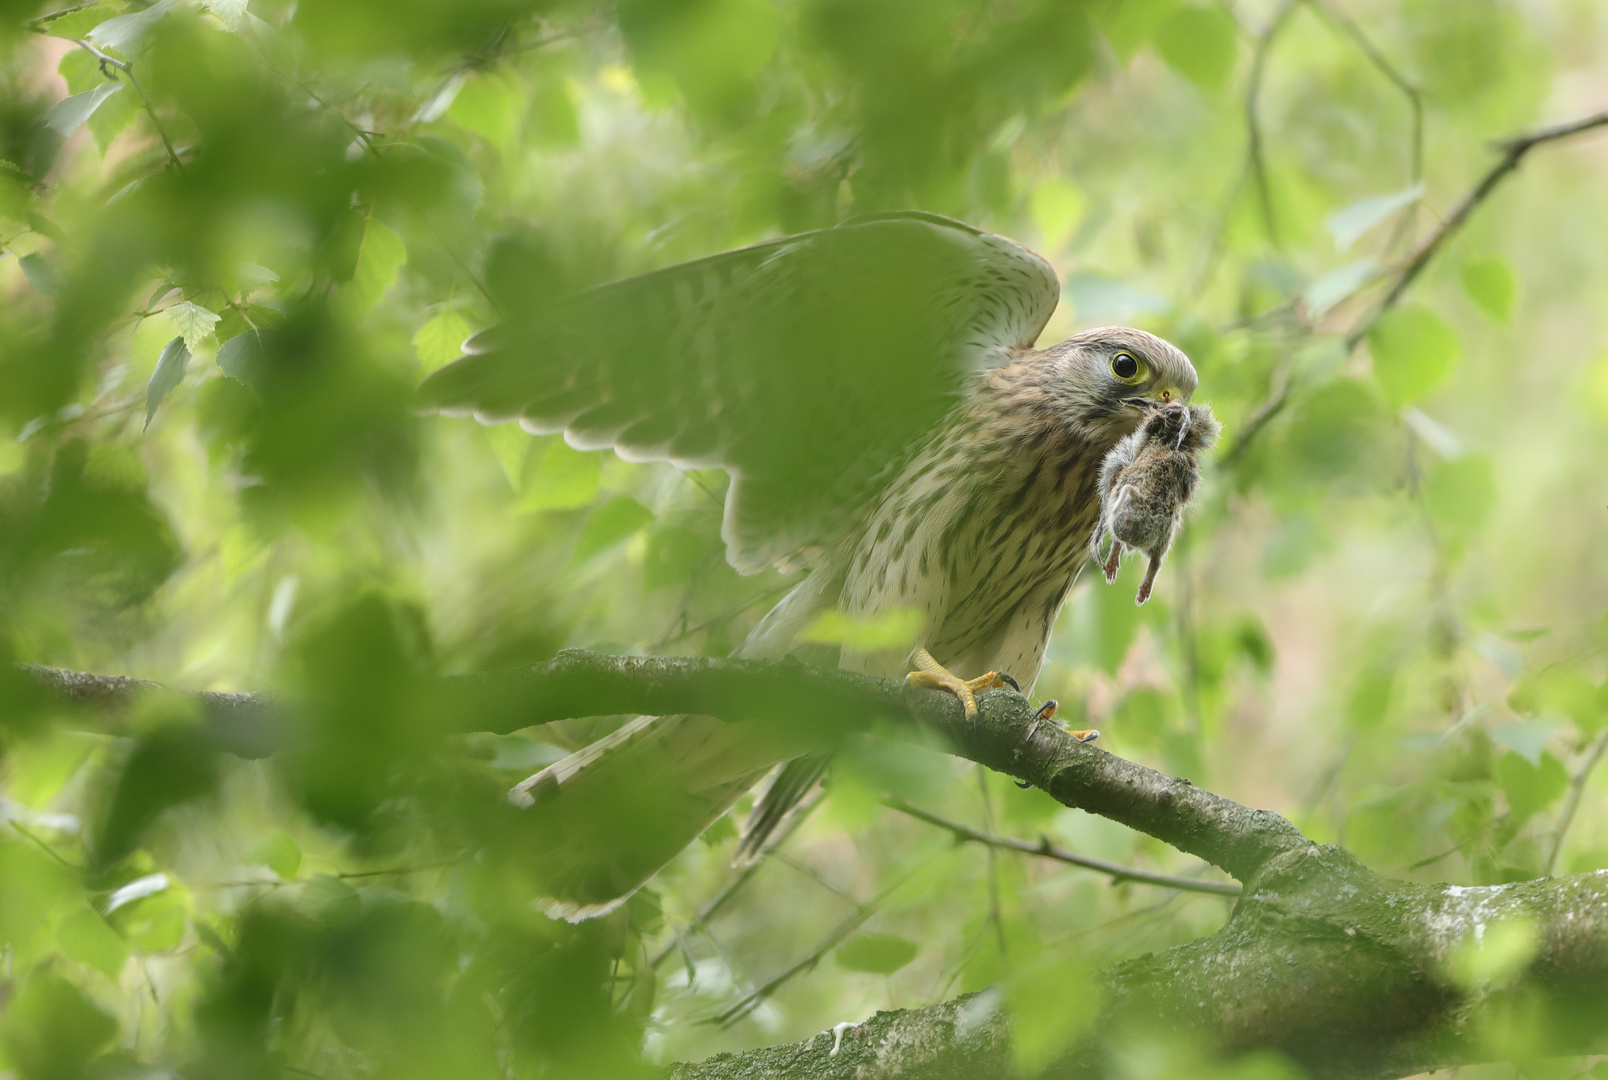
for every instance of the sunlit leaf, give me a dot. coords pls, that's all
(279, 853)
(440, 340)
(52, 1028)
(1494, 955)
(1530, 787)
(616, 519)
(85, 936)
(229, 12)
(169, 373)
(379, 260)
(70, 113)
(1351, 224)
(565, 478)
(127, 33)
(194, 322)
(1460, 494)
(1414, 351)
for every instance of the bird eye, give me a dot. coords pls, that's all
(1126, 368)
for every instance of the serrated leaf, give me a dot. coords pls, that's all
(127, 33)
(194, 322)
(241, 357)
(1414, 351)
(1490, 283)
(876, 954)
(69, 114)
(379, 260)
(440, 340)
(1349, 225)
(170, 367)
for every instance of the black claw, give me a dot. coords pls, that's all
(1023, 784)
(1011, 682)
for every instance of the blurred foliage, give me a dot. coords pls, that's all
(233, 235)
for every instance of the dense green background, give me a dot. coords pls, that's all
(1385, 620)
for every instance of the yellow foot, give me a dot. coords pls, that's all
(937, 676)
(1046, 711)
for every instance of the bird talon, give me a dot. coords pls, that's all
(1047, 710)
(1086, 735)
(934, 675)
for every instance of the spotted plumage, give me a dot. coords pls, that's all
(873, 391)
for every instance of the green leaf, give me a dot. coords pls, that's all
(1526, 738)
(673, 552)
(875, 954)
(169, 373)
(111, 118)
(75, 22)
(229, 12)
(41, 274)
(1056, 207)
(1491, 283)
(85, 936)
(1337, 286)
(490, 107)
(512, 446)
(279, 853)
(1528, 787)
(1370, 698)
(241, 357)
(69, 114)
(127, 33)
(192, 321)
(1349, 225)
(565, 479)
(52, 1028)
(1200, 43)
(440, 340)
(897, 628)
(1414, 351)
(617, 519)
(379, 261)
(1052, 999)
(1460, 494)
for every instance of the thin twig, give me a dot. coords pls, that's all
(128, 69)
(1345, 25)
(1265, 412)
(1050, 851)
(1513, 150)
(1254, 158)
(1577, 787)
(834, 937)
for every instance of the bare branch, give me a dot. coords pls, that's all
(1047, 850)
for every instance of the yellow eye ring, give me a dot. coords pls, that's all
(1127, 368)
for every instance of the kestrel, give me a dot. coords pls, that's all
(873, 391)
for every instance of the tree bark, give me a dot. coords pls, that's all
(1348, 973)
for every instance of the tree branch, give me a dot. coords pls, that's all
(1047, 850)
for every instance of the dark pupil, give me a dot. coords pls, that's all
(1125, 366)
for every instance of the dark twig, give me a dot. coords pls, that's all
(1347, 26)
(1255, 160)
(1047, 850)
(1514, 150)
(1577, 787)
(128, 70)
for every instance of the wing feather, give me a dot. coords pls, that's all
(805, 366)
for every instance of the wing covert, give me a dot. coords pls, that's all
(806, 366)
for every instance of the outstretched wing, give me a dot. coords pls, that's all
(807, 367)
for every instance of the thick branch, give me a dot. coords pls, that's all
(1008, 736)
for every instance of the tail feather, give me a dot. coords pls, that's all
(782, 796)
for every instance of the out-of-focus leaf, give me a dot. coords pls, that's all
(279, 853)
(1098, 298)
(1200, 43)
(40, 273)
(127, 33)
(170, 367)
(241, 357)
(85, 937)
(379, 261)
(1491, 283)
(1494, 955)
(1370, 698)
(565, 479)
(512, 446)
(1460, 494)
(1056, 207)
(620, 517)
(875, 954)
(69, 114)
(1052, 998)
(1527, 738)
(1349, 225)
(712, 48)
(440, 340)
(155, 923)
(671, 555)
(52, 1029)
(490, 107)
(229, 12)
(194, 322)
(1414, 351)
(1324, 293)
(75, 22)
(171, 765)
(893, 630)
(1530, 788)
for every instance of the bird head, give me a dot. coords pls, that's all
(1109, 378)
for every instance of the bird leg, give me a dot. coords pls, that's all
(935, 675)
